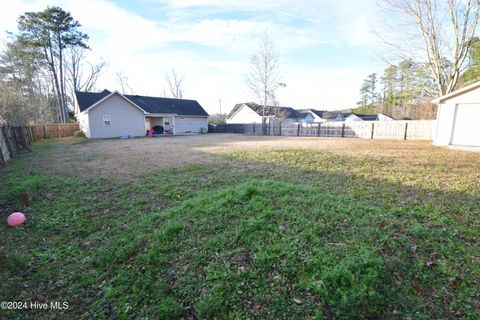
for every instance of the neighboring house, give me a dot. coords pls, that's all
(457, 118)
(323, 116)
(352, 116)
(384, 117)
(112, 114)
(251, 113)
(254, 113)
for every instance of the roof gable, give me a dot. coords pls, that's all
(87, 100)
(275, 111)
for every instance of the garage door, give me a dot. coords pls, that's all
(190, 124)
(466, 131)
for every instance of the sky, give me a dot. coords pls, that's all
(325, 47)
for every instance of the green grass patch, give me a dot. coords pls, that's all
(282, 234)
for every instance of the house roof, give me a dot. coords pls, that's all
(327, 115)
(146, 103)
(330, 114)
(365, 117)
(269, 111)
(455, 93)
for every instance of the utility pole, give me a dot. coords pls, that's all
(220, 103)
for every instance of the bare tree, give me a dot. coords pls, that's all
(81, 75)
(444, 30)
(175, 84)
(123, 81)
(264, 76)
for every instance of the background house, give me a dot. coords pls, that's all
(457, 118)
(251, 112)
(112, 114)
(323, 116)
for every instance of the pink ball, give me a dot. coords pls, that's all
(15, 219)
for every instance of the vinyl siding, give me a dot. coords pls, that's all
(126, 119)
(82, 118)
(444, 131)
(186, 124)
(245, 115)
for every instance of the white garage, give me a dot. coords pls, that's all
(190, 124)
(458, 118)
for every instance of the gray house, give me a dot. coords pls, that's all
(112, 114)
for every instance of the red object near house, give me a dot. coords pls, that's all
(150, 133)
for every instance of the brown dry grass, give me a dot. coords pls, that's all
(121, 158)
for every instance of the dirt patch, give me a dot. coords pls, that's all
(118, 158)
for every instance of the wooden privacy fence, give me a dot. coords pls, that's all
(17, 139)
(60, 130)
(14, 140)
(400, 130)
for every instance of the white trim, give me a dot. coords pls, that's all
(456, 93)
(108, 119)
(238, 110)
(108, 96)
(153, 115)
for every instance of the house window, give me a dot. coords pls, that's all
(107, 120)
(167, 123)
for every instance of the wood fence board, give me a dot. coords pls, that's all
(17, 139)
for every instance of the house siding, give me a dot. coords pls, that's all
(447, 121)
(353, 117)
(82, 118)
(126, 119)
(245, 115)
(186, 124)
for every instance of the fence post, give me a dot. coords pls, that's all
(280, 128)
(7, 142)
(44, 131)
(298, 129)
(15, 139)
(343, 130)
(58, 130)
(30, 133)
(406, 129)
(373, 130)
(2, 159)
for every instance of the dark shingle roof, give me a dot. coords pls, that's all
(365, 117)
(327, 115)
(286, 112)
(148, 104)
(86, 99)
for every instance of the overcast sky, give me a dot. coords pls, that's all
(326, 47)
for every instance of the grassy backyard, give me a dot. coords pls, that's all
(224, 226)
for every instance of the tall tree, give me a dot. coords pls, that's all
(23, 78)
(53, 30)
(472, 73)
(446, 29)
(368, 91)
(264, 76)
(123, 81)
(175, 84)
(81, 75)
(390, 81)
